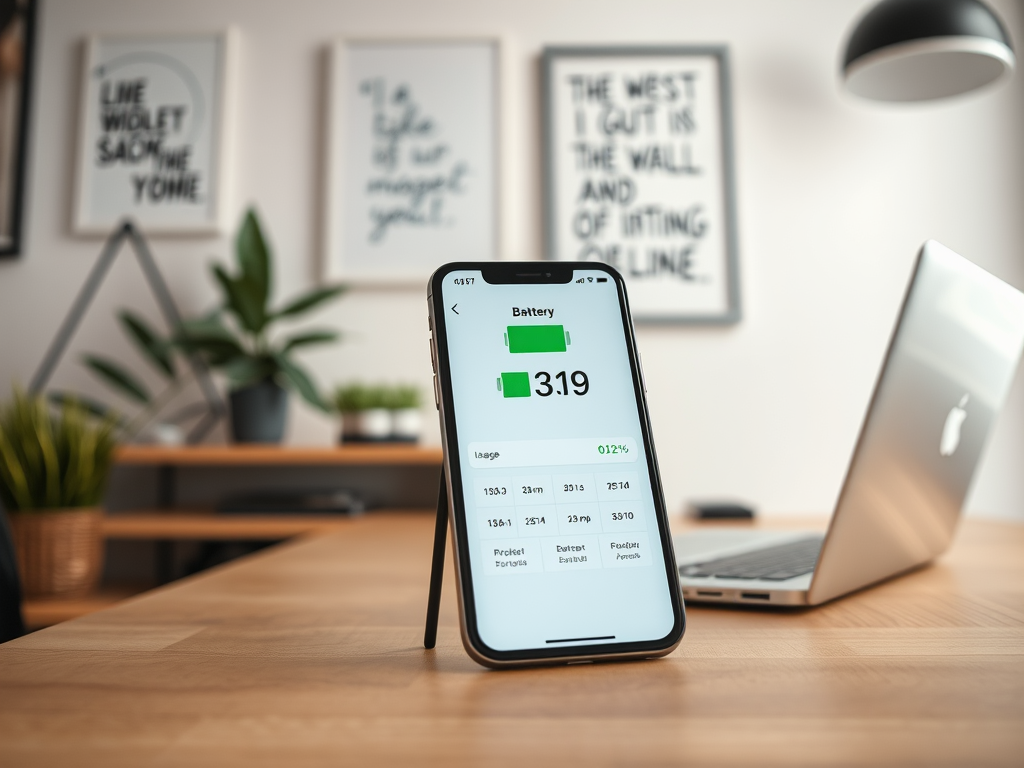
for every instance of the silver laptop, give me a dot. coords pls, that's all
(948, 368)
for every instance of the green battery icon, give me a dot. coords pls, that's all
(516, 384)
(535, 338)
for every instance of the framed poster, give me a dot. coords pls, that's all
(154, 133)
(412, 173)
(17, 25)
(639, 174)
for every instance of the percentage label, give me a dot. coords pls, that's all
(612, 450)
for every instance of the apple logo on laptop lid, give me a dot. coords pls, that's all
(951, 429)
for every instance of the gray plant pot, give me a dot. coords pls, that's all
(258, 413)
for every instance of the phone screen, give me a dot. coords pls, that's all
(563, 538)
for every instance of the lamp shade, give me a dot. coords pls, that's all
(916, 50)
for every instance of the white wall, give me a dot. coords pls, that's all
(834, 197)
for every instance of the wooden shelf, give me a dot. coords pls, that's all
(194, 525)
(40, 613)
(241, 455)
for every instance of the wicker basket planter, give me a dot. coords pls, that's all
(60, 552)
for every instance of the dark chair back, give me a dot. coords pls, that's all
(11, 623)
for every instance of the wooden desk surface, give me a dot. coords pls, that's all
(257, 455)
(310, 654)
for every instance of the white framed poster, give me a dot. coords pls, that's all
(412, 145)
(154, 133)
(638, 163)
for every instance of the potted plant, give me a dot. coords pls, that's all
(235, 339)
(406, 419)
(364, 414)
(53, 472)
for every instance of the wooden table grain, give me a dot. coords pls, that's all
(309, 654)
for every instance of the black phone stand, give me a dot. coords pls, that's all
(437, 566)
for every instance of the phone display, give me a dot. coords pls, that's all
(561, 536)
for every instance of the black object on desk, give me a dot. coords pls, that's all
(11, 623)
(719, 510)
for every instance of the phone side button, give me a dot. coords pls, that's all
(437, 395)
(433, 357)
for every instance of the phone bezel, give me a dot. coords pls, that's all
(533, 272)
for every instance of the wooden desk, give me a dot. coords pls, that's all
(310, 654)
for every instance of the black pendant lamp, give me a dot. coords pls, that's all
(917, 50)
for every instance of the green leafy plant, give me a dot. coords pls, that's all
(235, 338)
(53, 461)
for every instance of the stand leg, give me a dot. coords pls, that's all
(437, 566)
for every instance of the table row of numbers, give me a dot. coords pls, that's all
(538, 490)
(562, 519)
(565, 553)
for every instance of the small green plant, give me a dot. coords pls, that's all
(402, 396)
(53, 461)
(235, 337)
(353, 398)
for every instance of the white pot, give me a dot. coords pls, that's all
(374, 424)
(406, 424)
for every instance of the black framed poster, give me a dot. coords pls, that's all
(17, 22)
(639, 174)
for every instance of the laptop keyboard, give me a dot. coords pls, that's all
(778, 563)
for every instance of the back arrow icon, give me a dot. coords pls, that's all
(454, 308)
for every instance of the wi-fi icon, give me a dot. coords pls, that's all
(590, 279)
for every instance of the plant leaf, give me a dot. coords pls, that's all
(254, 257)
(307, 338)
(209, 339)
(243, 369)
(309, 300)
(156, 350)
(242, 299)
(117, 377)
(95, 408)
(301, 381)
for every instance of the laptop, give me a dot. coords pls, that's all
(947, 371)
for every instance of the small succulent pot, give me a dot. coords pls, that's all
(372, 425)
(375, 425)
(59, 551)
(406, 424)
(258, 413)
(350, 427)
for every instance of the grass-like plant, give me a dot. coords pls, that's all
(53, 460)
(353, 398)
(402, 396)
(235, 338)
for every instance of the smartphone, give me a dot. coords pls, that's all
(561, 541)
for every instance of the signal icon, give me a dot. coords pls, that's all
(580, 280)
